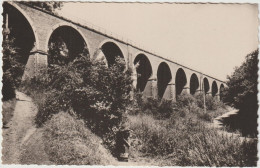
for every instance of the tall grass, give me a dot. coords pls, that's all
(68, 141)
(177, 133)
(188, 142)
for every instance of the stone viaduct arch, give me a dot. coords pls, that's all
(194, 84)
(205, 85)
(18, 25)
(64, 24)
(110, 49)
(214, 88)
(221, 89)
(155, 76)
(164, 77)
(71, 42)
(180, 81)
(143, 69)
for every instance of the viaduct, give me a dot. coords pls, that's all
(33, 29)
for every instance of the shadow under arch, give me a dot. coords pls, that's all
(214, 88)
(143, 70)
(164, 76)
(64, 24)
(221, 90)
(180, 81)
(194, 83)
(205, 85)
(111, 51)
(65, 44)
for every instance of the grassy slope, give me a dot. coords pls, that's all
(68, 141)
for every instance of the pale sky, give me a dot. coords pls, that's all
(211, 38)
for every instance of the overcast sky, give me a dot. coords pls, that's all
(211, 38)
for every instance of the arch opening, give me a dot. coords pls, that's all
(194, 84)
(205, 85)
(164, 76)
(143, 70)
(221, 90)
(65, 44)
(111, 51)
(180, 81)
(214, 88)
(18, 28)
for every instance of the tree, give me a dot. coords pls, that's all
(242, 84)
(48, 6)
(241, 92)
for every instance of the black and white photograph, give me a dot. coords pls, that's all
(123, 83)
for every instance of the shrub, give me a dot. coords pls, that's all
(68, 141)
(205, 116)
(185, 100)
(212, 103)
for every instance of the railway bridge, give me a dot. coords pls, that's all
(34, 28)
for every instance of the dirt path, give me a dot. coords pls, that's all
(22, 142)
(217, 121)
(217, 124)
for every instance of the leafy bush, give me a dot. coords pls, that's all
(156, 107)
(185, 100)
(212, 103)
(68, 141)
(205, 116)
(164, 109)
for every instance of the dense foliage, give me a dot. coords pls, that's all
(241, 91)
(163, 109)
(242, 84)
(12, 67)
(49, 6)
